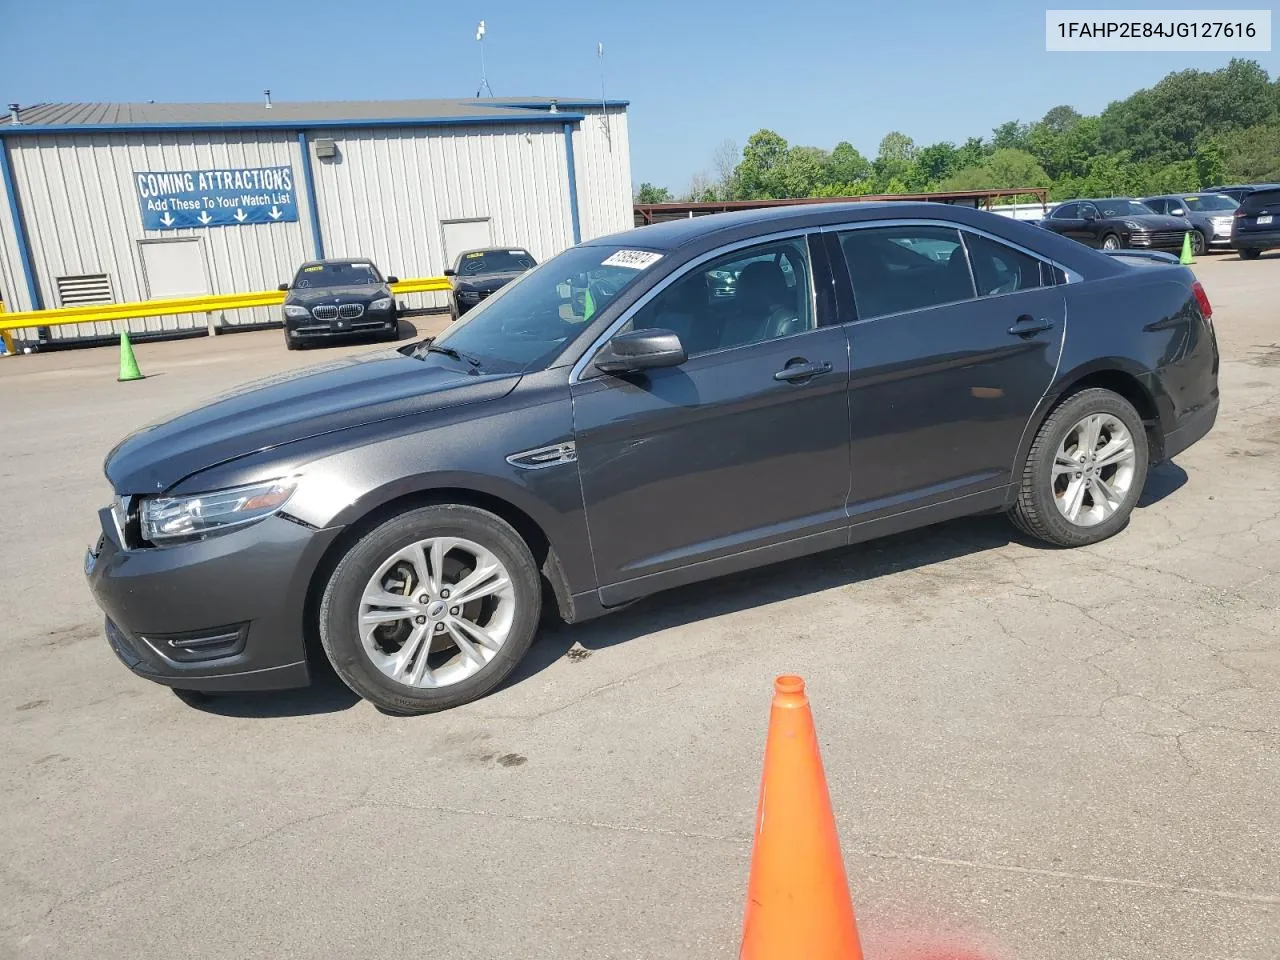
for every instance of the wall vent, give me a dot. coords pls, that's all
(84, 290)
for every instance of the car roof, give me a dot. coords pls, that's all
(337, 261)
(499, 249)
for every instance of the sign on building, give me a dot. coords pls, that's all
(216, 198)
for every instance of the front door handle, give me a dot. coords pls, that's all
(1028, 326)
(802, 370)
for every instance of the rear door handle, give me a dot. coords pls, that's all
(802, 370)
(1028, 326)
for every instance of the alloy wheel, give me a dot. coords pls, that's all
(1093, 470)
(436, 612)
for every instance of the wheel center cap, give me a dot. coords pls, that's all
(436, 610)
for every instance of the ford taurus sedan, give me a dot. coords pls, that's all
(614, 424)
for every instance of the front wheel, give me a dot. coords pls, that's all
(1085, 471)
(432, 609)
(1248, 254)
(1198, 243)
(1110, 242)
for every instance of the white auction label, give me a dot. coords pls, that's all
(632, 259)
(1157, 30)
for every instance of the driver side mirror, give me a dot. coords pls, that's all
(1177, 212)
(393, 279)
(641, 350)
(284, 287)
(450, 272)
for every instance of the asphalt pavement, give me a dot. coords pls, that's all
(1032, 753)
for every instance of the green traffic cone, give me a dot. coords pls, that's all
(128, 362)
(1186, 257)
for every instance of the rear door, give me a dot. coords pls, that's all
(948, 362)
(1065, 220)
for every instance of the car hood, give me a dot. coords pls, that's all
(356, 291)
(1157, 221)
(293, 406)
(487, 282)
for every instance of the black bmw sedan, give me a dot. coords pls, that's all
(624, 420)
(481, 273)
(338, 299)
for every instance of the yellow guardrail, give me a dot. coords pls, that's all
(211, 303)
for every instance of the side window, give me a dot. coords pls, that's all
(1088, 210)
(1000, 269)
(895, 269)
(1068, 211)
(1159, 206)
(748, 296)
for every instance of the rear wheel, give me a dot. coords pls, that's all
(432, 609)
(1248, 254)
(1110, 242)
(1085, 472)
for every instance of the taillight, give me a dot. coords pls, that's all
(1239, 212)
(1202, 298)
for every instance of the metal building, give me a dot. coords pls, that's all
(108, 203)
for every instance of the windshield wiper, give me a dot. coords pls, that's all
(454, 354)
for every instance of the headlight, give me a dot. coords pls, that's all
(382, 303)
(173, 519)
(468, 295)
(292, 310)
(1133, 226)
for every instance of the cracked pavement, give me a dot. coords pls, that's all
(1032, 753)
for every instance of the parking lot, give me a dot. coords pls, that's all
(1032, 753)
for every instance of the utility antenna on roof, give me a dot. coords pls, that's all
(604, 104)
(484, 76)
(267, 95)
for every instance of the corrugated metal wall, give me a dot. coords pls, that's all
(81, 212)
(13, 289)
(386, 193)
(602, 158)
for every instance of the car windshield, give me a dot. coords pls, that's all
(494, 261)
(1212, 202)
(1123, 208)
(529, 321)
(343, 274)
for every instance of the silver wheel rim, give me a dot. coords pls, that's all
(1093, 470)
(436, 612)
(1111, 243)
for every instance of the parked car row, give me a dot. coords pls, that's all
(340, 298)
(1241, 218)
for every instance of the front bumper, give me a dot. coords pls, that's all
(219, 615)
(308, 328)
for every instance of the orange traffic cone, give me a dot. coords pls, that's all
(798, 905)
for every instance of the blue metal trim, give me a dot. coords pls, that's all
(573, 182)
(563, 104)
(35, 129)
(19, 229)
(313, 208)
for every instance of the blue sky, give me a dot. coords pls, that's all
(696, 73)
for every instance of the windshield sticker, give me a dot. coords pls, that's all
(478, 253)
(315, 269)
(632, 259)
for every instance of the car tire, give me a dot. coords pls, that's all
(368, 659)
(1199, 245)
(1250, 254)
(1111, 242)
(1050, 487)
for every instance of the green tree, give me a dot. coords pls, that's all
(1004, 169)
(1251, 155)
(1009, 136)
(648, 193)
(757, 174)
(1209, 167)
(897, 152)
(935, 163)
(846, 165)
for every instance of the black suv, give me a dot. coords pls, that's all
(480, 273)
(331, 299)
(1116, 223)
(1256, 224)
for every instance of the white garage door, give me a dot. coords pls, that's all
(461, 235)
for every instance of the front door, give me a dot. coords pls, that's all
(948, 362)
(743, 447)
